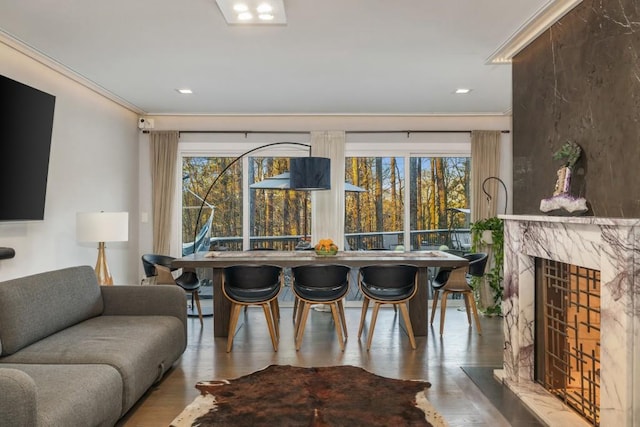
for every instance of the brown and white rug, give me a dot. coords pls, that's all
(295, 396)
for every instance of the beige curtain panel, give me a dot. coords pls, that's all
(485, 162)
(164, 153)
(328, 205)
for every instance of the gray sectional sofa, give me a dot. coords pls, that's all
(73, 353)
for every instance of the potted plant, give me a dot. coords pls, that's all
(480, 232)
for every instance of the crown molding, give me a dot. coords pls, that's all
(56, 66)
(544, 18)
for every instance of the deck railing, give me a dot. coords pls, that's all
(457, 240)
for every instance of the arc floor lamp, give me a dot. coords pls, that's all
(305, 174)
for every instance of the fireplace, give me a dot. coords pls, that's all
(567, 341)
(601, 258)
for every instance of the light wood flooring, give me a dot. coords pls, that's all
(437, 360)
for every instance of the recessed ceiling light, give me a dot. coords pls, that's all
(462, 91)
(247, 12)
(264, 8)
(185, 91)
(240, 7)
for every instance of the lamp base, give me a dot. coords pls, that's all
(102, 269)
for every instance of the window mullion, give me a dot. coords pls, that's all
(246, 234)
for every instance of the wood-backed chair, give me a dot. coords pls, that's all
(246, 285)
(159, 269)
(320, 284)
(387, 284)
(457, 281)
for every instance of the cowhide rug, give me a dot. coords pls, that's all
(294, 396)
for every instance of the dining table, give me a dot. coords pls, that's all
(218, 260)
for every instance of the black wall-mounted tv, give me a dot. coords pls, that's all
(26, 124)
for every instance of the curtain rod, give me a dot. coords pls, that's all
(408, 132)
(247, 132)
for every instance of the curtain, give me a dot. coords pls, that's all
(164, 153)
(485, 162)
(328, 205)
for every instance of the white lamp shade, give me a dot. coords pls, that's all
(102, 226)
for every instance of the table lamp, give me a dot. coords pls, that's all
(102, 227)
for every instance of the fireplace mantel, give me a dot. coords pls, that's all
(610, 245)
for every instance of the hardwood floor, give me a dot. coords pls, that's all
(436, 359)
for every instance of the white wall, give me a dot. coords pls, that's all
(93, 166)
(308, 123)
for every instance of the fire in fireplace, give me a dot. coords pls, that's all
(567, 342)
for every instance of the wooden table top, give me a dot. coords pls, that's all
(294, 258)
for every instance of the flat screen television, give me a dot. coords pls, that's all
(26, 124)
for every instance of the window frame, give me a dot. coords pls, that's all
(230, 145)
(407, 145)
(358, 144)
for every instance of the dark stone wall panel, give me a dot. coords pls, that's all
(580, 81)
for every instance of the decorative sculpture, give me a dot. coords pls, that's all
(562, 201)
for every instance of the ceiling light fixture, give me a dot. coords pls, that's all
(462, 91)
(185, 91)
(264, 8)
(246, 12)
(530, 30)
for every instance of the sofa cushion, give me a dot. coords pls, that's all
(34, 307)
(141, 348)
(74, 395)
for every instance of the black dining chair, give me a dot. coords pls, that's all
(454, 281)
(159, 269)
(246, 285)
(387, 284)
(320, 284)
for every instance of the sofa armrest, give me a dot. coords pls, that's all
(151, 300)
(18, 403)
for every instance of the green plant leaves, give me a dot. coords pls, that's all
(494, 276)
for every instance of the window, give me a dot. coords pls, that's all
(222, 210)
(374, 212)
(439, 201)
(278, 218)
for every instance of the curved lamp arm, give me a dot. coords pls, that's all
(506, 194)
(234, 161)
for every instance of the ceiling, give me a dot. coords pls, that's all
(332, 56)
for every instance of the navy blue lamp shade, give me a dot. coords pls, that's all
(310, 173)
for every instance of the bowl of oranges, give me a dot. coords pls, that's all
(326, 247)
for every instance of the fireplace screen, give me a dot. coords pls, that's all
(568, 359)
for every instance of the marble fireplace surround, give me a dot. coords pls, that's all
(610, 245)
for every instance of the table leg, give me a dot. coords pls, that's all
(221, 306)
(418, 305)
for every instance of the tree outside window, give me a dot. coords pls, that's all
(438, 202)
(374, 219)
(278, 217)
